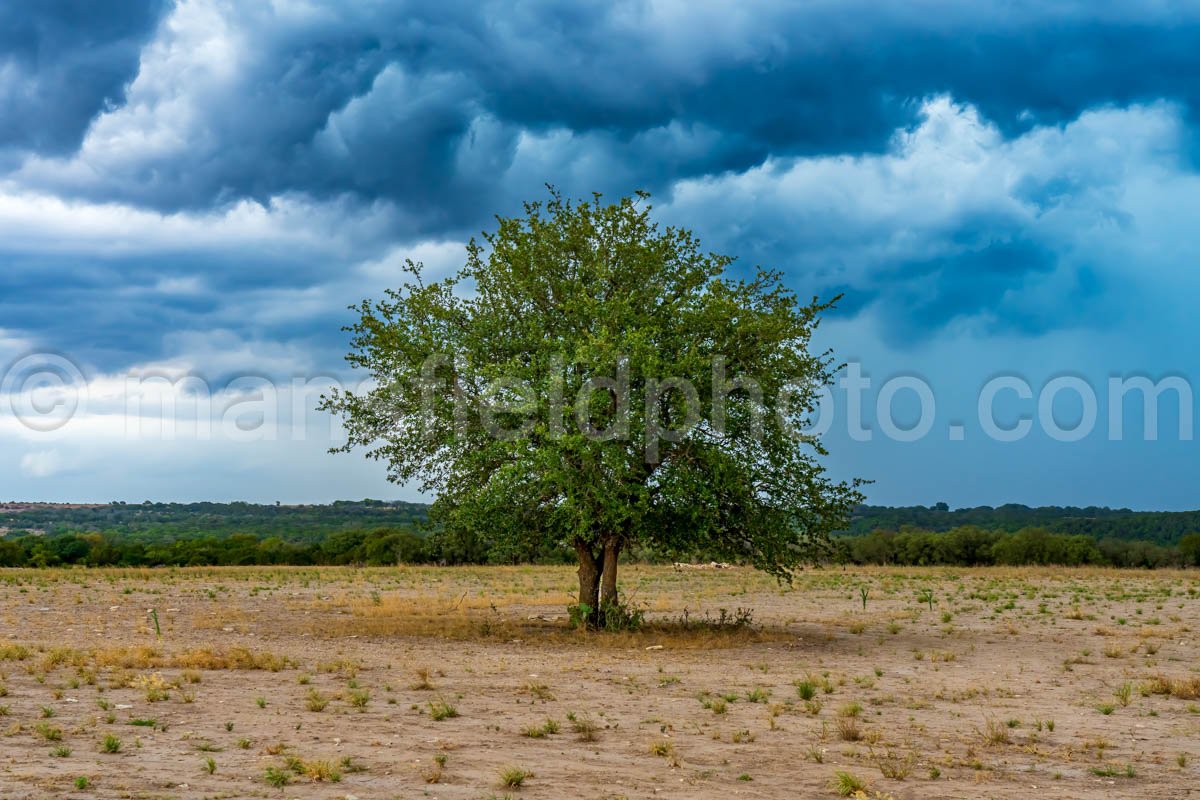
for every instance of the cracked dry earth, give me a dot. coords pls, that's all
(465, 683)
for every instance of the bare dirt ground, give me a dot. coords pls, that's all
(425, 682)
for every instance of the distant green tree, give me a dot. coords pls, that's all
(590, 313)
(1189, 549)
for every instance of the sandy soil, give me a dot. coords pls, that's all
(1019, 683)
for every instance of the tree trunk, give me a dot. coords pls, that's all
(589, 580)
(598, 577)
(608, 580)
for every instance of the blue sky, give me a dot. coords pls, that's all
(999, 189)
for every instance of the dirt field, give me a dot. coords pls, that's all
(422, 682)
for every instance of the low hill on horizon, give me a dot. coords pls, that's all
(150, 521)
(1099, 522)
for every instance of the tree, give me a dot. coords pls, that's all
(1189, 550)
(591, 380)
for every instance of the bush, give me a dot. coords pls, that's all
(619, 616)
(611, 617)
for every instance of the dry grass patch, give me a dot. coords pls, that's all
(192, 659)
(487, 621)
(996, 732)
(1183, 688)
(585, 727)
(848, 729)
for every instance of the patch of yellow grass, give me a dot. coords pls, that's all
(1185, 688)
(143, 657)
(479, 618)
(238, 658)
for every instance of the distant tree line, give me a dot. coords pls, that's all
(962, 546)
(374, 547)
(157, 522)
(375, 533)
(1098, 523)
(970, 545)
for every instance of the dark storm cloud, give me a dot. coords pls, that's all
(62, 62)
(985, 279)
(424, 103)
(444, 113)
(110, 310)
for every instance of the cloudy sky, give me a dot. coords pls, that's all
(194, 191)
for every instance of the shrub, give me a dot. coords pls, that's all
(315, 701)
(758, 695)
(277, 777)
(585, 727)
(541, 731)
(514, 777)
(320, 771)
(49, 732)
(441, 710)
(848, 729)
(662, 749)
(995, 732)
(846, 785)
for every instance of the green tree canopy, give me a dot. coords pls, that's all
(590, 378)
